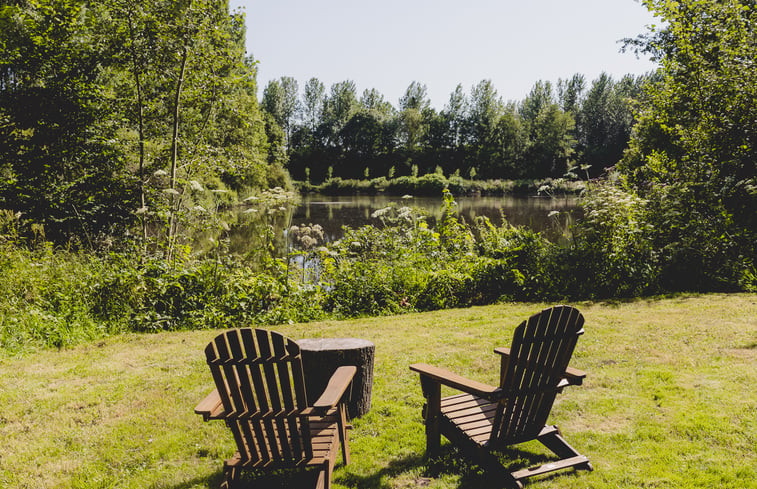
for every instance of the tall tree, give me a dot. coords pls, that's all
(373, 101)
(550, 130)
(193, 63)
(570, 92)
(291, 106)
(540, 96)
(510, 141)
(340, 105)
(456, 113)
(105, 99)
(415, 97)
(484, 112)
(274, 101)
(313, 99)
(604, 121)
(412, 122)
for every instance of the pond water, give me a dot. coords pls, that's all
(534, 212)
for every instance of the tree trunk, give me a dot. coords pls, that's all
(140, 117)
(175, 154)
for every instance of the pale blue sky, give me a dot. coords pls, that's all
(386, 44)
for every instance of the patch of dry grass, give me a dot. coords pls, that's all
(670, 401)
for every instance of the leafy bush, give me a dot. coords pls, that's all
(445, 289)
(692, 152)
(47, 298)
(612, 254)
(494, 280)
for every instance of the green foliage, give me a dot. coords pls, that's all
(48, 298)
(57, 299)
(409, 266)
(108, 106)
(403, 265)
(370, 288)
(61, 165)
(611, 254)
(445, 289)
(604, 120)
(212, 294)
(454, 235)
(693, 151)
(515, 252)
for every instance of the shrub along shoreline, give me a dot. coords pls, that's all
(433, 184)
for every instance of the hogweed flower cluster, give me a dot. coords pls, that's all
(306, 237)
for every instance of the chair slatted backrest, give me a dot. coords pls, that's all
(258, 375)
(540, 352)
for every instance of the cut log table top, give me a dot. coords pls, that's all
(335, 344)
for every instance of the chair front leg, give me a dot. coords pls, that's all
(230, 476)
(432, 391)
(326, 472)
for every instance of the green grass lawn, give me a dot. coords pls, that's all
(670, 401)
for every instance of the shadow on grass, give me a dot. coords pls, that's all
(374, 480)
(249, 479)
(213, 480)
(649, 299)
(421, 471)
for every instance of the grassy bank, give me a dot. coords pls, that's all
(669, 401)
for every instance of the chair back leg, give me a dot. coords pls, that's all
(343, 436)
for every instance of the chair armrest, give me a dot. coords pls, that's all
(338, 384)
(450, 379)
(573, 376)
(211, 407)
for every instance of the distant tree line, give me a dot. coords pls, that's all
(478, 135)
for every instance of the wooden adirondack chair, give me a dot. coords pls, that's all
(260, 394)
(487, 418)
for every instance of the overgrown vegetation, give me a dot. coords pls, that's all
(80, 173)
(402, 265)
(693, 152)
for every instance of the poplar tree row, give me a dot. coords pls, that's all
(476, 134)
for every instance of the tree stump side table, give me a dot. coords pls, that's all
(322, 356)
